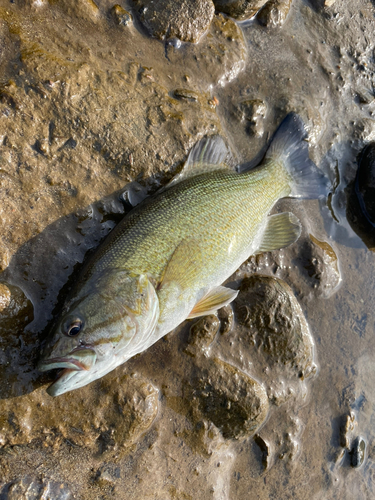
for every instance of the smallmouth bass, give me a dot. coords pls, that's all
(166, 260)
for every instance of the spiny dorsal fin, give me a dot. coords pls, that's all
(282, 230)
(216, 298)
(207, 155)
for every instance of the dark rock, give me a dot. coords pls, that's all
(360, 209)
(253, 112)
(239, 9)
(277, 326)
(358, 452)
(202, 333)
(234, 402)
(16, 310)
(274, 13)
(265, 450)
(183, 19)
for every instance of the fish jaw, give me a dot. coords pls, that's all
(78, 361)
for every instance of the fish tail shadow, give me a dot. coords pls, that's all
(290, 147)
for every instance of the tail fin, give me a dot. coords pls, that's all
(289, 146)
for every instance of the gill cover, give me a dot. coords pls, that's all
(118, 312)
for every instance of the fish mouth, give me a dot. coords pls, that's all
(82, 358)
(78, 361)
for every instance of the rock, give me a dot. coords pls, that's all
(106, 476)
(276, 324)
(121, 16)
(5, 296)
(108, 417)
(234, 402)
(253, 112)
(264, 449)
(274, 13)
(202, 334)
(28, 488)
(16, 311)
(323, 267)
(358, 452)
(226, 317)
(239, 9)
(360, 209)
(182, 19)
(346, 430)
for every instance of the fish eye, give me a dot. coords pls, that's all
(72, 328)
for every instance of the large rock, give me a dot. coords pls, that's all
(239, 9)
(186, 20)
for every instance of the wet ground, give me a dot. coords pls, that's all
(273, 398)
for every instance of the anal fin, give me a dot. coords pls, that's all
(281, 230)
(216, 298)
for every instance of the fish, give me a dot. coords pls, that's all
(168, 258)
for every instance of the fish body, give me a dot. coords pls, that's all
(166, 260)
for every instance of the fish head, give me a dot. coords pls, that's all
(108, 321)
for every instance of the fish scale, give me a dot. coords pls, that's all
(215, 206)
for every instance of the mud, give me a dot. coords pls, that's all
(90, 102)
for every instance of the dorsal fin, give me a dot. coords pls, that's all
(207, 155)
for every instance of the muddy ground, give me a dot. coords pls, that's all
(273, 398)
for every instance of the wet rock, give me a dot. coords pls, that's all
(361, 198)
(182, 19)
(322, 267)
(189, 95)
(226, 317)
(239, 9)
(276, 324)
(358, 452)
(346, 430)
(108, 416)
(264, 449)
(5, 295)
(202, 334)
(121, 16)
(234, 402)
(33, 489)
(16, 311)
(274, 13)
(253, 112)
(106, 476)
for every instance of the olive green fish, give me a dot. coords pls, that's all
(166, 260)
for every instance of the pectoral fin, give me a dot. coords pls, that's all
(184, 267)
(215, 299)
(282, 230)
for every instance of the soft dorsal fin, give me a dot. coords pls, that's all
(207, 155)
(216, 298)
(281, 230)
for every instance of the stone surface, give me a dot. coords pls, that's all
(274, 13)
(234, 402)
(253, 112)
(103, 420)
(239, 9)
(276, 324)
(360, 209)
(183, 19)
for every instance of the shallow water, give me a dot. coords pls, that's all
(87, 106)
